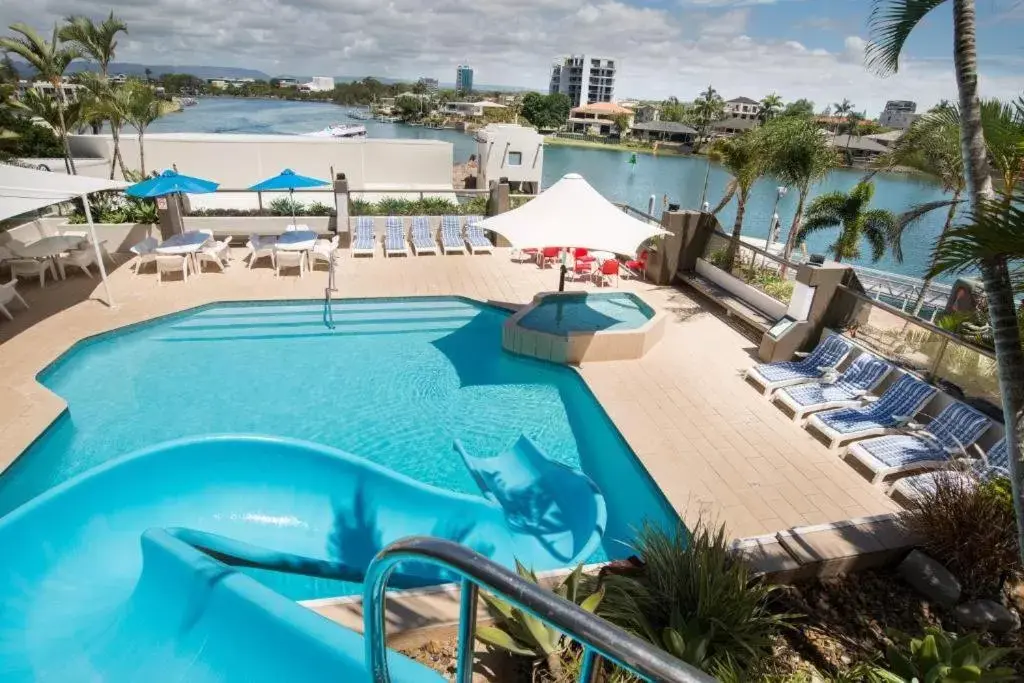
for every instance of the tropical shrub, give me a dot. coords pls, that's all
(111, 207)
(694, 599)
(523, 634)
(436, 206)
(318, 209)
(286, 206)
(942, 657)
(474, 206)
(968, 527)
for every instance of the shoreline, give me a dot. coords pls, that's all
(614, 146)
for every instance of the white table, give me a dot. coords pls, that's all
(296, 240)
(184, 244)
(602, 256)
(50, 248)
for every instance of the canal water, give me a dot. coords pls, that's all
(681, 178)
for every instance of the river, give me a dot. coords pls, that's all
(681, 178)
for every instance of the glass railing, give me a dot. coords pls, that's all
(760, 268)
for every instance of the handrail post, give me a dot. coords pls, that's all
(467, 631)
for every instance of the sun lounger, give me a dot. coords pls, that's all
(865, 373)
(994, 463)
(931, 446)
(394, 237)
(422, 241)
(475, 237)
(895, 408)
(826, 356)
(451, 235)
(362, 238)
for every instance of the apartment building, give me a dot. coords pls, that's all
(464, 78)
(898, 114)
(584, 78)
(742, 108)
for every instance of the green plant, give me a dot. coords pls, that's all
(717, 258)
(523, 634)
(319, 209)
(286, 206)
(942, 657)
(361, 207)
(474, 206)
(436, 206)
(394, 206)
(695, 599)
(967, 528)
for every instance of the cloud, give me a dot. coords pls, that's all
(665, 50)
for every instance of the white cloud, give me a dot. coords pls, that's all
(661, 52)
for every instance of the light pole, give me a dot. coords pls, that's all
(704, 195)
(773, 229)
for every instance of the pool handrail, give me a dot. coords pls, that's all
(598, 638)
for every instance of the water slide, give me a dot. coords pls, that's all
(116, 575)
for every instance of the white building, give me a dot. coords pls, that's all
(319, 84)
(507, 150)
(469, 108)
(898, 114)
(742, 108)
(70, 90)
(584, 78)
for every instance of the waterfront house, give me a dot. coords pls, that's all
(742, 108)
(887, 139)
(46, 88)
(507, 150)
(859, 149)
(663, 131)
(646, 113)
(596, 118)
(474, 109)
(732, 125)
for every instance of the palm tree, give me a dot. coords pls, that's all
(849, 212)
(842, 110)
(50, 60)
(143, 108)
(769, 107)
(742, 157)
(798, 155)
(892, 22)
(103, 101)
(707, 108)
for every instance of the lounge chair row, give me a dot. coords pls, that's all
(887, 438)
(455, 236)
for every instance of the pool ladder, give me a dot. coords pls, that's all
(598, 638)
(328, 308)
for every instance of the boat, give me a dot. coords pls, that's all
(360, 114)
(340, 130)
(384, 118)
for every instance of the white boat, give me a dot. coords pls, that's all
(340, 130)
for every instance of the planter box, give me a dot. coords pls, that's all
(243, 226)
(118, 236)
(755, 298)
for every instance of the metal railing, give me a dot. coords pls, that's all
(598, 638)
(903, 290)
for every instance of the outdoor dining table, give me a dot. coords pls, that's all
(296, 240)
(50, 248)
(184, 244)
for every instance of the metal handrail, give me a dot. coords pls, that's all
(758, 250)
(599, 638)
(627, 208)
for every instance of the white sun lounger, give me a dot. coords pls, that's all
(362, 238)
(826, 356)
(394, 237)
(928, 447)
(475, 237)
(451, 235)
(422, 241)
(847, 390)
(895, 408)
(994, 463)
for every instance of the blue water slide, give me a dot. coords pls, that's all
(116, 575)
(550, 509)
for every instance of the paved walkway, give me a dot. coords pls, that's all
(707, 438)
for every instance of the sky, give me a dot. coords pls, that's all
(798, 48)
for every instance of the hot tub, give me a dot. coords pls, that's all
(577, 327)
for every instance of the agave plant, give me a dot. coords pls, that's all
(524, 634)
(942, 657)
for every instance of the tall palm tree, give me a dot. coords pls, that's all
(143, 108)
(841, 110)
(707, 108)
(798, 155)
(742, 157)
(892, 22)
(50, 60)
(103, 101)
(769, 107)
(851, 213)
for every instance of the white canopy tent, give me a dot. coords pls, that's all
(25, 189)
(571, 213)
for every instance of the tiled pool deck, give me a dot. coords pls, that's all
(709, 440)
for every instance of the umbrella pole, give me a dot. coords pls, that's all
(561, 278)
(96, 248)
(291, 200)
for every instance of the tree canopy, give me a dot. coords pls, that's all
(546, 111)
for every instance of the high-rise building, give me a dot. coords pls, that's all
(429, 84)
(584, 78)
(464, 78)
(898, 114)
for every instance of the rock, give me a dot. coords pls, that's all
(1017, 596)
(930, 578)
(986, 615)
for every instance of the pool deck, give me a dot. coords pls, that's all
(710, 441)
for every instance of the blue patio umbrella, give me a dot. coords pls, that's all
(171, 182)
(288, 180)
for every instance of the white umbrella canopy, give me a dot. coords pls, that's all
(571, 213)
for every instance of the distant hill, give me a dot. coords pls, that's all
(135, 69)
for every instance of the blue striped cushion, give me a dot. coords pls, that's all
(451, 223)
(999, 455)
(787, 370)
(806, 395)
(362, 242)
(904, 398)
(865, 372)
(957, 426)
(827, 354)
(423, 242)
(473, 220)
(420, 226)
(900, 450)
(364, 225)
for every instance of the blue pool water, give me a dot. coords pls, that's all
(396, 383)
(588, 312)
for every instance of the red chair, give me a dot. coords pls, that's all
(583, 269)
(549, 256)
(638, 265)
(608, 270)
(580, 254)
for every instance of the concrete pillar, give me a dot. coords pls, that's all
(171, 210)
(499, 200)
(342, 205)
(821, 284)
(690, 232)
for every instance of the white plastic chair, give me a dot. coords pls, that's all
(80, 258)
(8, 293)
(33, 268)
(290, 228)
(218, 253)
(145, 252)
(322, 251)
(261, 247)
(290, 259)
(171, 263)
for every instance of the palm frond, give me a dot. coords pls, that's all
(994, 230)
(880, 229)
(890, 25)
(812, 224)
(919, 211)
(830, 203)
(730, 191)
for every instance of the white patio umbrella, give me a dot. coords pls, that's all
(25, 189)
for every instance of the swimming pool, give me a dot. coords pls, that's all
(396, 382)
(588, 312)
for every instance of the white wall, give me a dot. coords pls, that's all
(496, 141)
